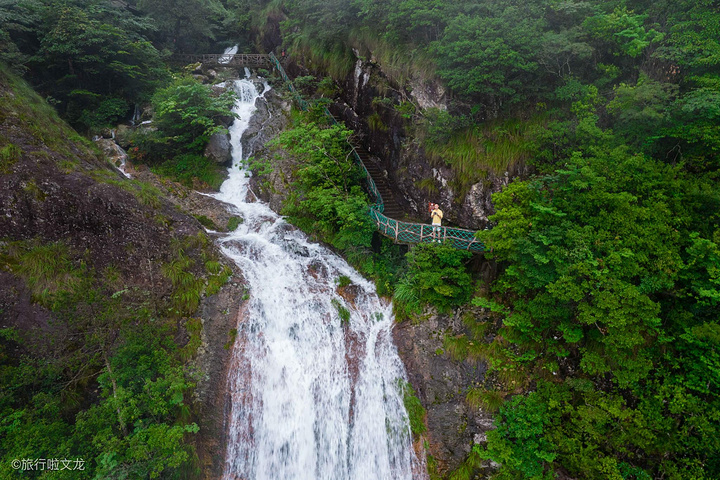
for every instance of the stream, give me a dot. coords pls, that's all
(313, 395)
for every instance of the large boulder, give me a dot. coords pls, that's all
(218, 148)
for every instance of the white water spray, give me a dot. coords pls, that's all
(227, 54)
(313, 397)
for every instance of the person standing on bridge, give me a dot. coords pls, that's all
(436, 214)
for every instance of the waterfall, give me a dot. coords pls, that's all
(137, 113)
(312, 396)
(227, 54)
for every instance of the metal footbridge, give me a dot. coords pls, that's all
(380, 211)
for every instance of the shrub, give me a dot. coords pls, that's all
(233, 223)
(186, 168)
(436, 275)
(416, 412)
(187, 113)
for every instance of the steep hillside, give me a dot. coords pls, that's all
(114, 306)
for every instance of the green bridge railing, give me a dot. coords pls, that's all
(400, 232)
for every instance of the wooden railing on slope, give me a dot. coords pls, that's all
(229, 60)
(401, 232)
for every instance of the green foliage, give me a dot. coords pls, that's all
(518, 442)
(233, 223)
(191, 280)
(107, 114)
(406, 110)
(491, 55)
(186, 25)
(436, 275)
(376, 124)
(231, 340)
(413, 407)
(343, 281)
(145, 193)
(9, 155)
(47, 270)
(384, 267)
(624, 31)
(206, 222)
(343, 312)
(327, 200)
(469, 468)
(187, 113)
(189, 169)
(94, 56)
(24, 107)
(608, 286)
(488, 400)
(474, 151)
(112, 390)
(643, 109)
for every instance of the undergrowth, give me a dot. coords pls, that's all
(473, 151)
(185, 169)
(191, 279)
(337, 60)
(23, 107)
(415, 410)
(399, 62)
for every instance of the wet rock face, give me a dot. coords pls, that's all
(218, 148)
(269, 120)
(403, 157)
(428, 93)
(112, 151)
(441, 384)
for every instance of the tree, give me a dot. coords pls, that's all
(185, 26)
(436, 275)
(611, 300)
(491, 56)
(187, 114)
(327, 199)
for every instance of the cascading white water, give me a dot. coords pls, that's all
(313, 397)
(227, 54)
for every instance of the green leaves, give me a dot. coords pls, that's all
(624, 30)
(489, 55)
(611, 284)
(436, 275)
(327, 200)
(519, 442)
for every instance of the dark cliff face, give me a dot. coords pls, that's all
(56, 188)
(441, 383)
(389, 136)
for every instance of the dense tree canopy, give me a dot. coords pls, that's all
(606, 349)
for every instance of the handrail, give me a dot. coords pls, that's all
(230, 59)
(400, 232)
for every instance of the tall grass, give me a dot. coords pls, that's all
(493, 147)
(490, 400)
(9, 156)
(399, 63)
(47, 269)
(336, 59)
(188, 169)
(415, 410)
